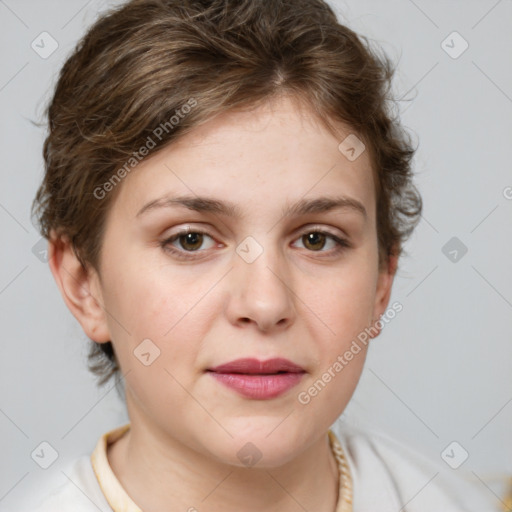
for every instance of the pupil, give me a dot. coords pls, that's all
(315, 239)
(193, 239)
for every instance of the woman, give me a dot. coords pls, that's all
(226, 197)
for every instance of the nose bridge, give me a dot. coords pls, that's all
(260, 287)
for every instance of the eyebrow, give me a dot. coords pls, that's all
(208, 205)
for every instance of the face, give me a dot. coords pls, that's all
(260, 276)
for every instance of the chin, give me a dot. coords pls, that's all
(259, 446)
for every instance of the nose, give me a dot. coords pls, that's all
(261, 293)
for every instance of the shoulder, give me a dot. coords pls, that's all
(390, 476)
(73, 488)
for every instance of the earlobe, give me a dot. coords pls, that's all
(79, 288)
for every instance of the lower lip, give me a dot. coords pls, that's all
(259, 387)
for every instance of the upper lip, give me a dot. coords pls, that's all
(255, 366)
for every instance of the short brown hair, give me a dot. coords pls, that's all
(140, 64)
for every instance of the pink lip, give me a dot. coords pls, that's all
(259, 380)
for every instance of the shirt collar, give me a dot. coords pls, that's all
(114, 492)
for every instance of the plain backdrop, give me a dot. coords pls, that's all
(441, 370)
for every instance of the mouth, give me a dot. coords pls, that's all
(252, 366)
(258, 380)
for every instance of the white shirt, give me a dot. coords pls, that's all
(386, 477)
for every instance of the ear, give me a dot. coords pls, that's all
(80, 288)
(383, 293)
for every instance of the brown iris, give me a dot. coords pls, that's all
(314, 241)
(192, 241)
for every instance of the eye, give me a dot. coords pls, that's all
(186, 241)
(317, 240)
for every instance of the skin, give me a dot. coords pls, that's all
(299, 300)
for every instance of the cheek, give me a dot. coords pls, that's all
(327, 393)
(150, 302)
(166, 309)
(343, 302)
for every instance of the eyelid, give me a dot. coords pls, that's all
(308, 228)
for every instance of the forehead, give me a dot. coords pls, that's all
(273, 153)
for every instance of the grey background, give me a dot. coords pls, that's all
(439, 372)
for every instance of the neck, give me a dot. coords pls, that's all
(159, 473)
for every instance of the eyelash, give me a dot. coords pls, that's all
(342, 244)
